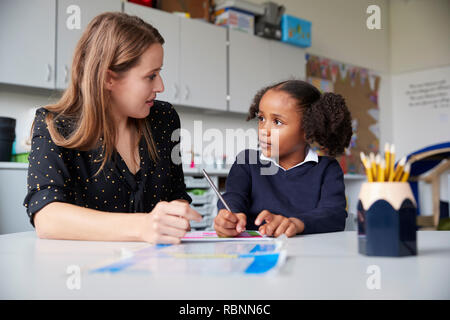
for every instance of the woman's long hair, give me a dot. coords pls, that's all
(112, 41)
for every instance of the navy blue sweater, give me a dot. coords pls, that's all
(312, 192)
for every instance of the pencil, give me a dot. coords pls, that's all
(381, 171)
(399, 169)
(366, 167)
(387, 155)
(406, 172)
(373, 165)
(392, 163)
(215, 190)
(377, 167)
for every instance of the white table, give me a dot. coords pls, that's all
(323, 266)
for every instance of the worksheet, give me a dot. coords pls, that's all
(201, 258)
(247, 235)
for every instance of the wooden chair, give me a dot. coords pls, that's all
(437, 159)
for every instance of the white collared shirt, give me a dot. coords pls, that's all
(311, 155)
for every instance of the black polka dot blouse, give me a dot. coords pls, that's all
(67, 175)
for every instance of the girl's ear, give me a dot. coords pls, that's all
(302, 132)
(110, 80)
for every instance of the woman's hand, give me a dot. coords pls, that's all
(168, 222)
(277, 224)
(228, 224)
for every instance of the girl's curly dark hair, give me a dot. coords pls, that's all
(326, 119)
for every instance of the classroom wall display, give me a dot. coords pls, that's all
(359, 87)
(421, 109)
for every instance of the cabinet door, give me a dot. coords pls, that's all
(73, 18)
(203, 65)
(249, 67)
(13, 189)
(27, 37)
(286, 62)
(168, 26)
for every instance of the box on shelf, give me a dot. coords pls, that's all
(147, 3)
(206, 197)
(235, 19)
(243, 5)
(197, 9)
(268, 25)
(296, 31)
(20, 157)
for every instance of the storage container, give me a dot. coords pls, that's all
(235, 19)
(7, 137)
(296, 31)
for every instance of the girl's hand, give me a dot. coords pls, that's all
(228, 224)
(277, 224)
(168, 222)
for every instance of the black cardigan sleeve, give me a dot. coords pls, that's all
(48, 176)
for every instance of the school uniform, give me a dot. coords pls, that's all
(312, 191)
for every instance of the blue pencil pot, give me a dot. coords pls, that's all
(387, 219)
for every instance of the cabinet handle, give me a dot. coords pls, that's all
(49, 72)
(175, 88)
(66, 73)
(187, 94)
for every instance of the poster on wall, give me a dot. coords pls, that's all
(422, 108)
(359, 87)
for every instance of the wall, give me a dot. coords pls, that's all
(339, 33)
(339, 30)
(420, 46)
(420, 34)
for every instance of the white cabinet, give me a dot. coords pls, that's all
(203, 65)
(168, 26)
(249, 68)
(73, 18)
(286, 62)
(195, 65)
(13, 189)
(27, 37)
(255, 63)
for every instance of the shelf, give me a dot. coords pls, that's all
(354, 176)
(13, 165)
(211, 172)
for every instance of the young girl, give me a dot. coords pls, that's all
(306, 194)
(103, 150)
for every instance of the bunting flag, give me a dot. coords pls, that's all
(375, 129)
(334, 71)
(363, 75)
(343, 70)
(372, 78)
(374, 97)
(374, 113)
(321, 84)
(352, 72)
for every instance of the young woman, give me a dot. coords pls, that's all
(104, 150)
(306, 194)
